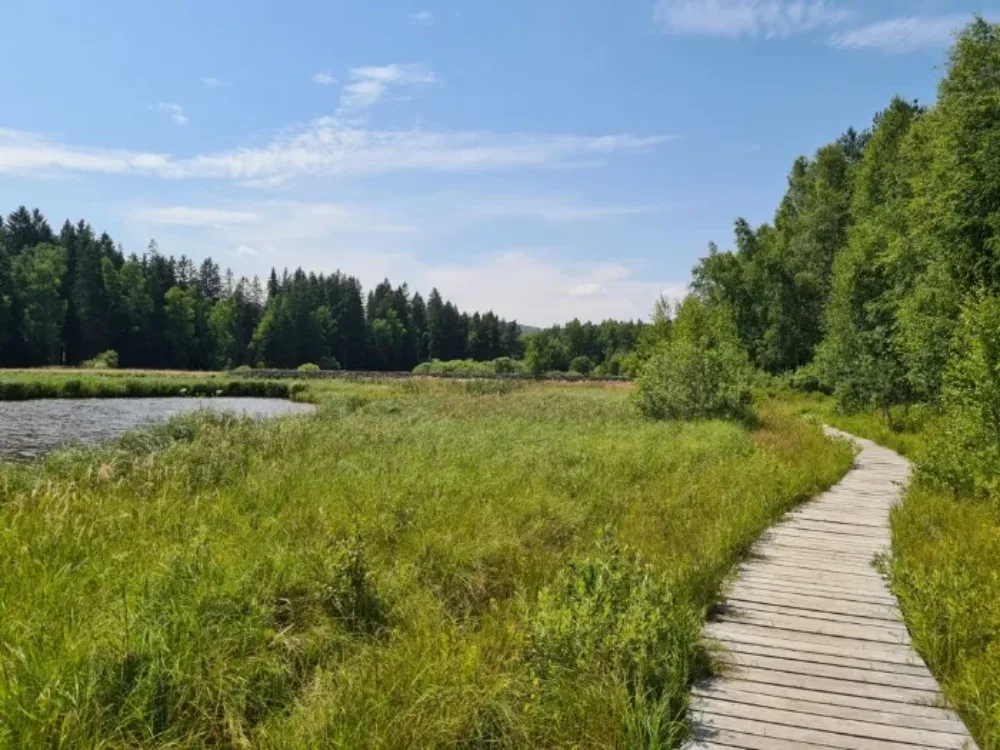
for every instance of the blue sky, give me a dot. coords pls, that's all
(544, 158)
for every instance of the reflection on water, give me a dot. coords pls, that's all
(31, 428)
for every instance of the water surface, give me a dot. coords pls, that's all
(29, 429)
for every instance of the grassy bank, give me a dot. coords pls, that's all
(945, 571)
(418, 564)
(21, 386)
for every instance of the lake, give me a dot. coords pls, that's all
(29, 429)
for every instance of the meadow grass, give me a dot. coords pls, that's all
(945, 569)
(418, 564)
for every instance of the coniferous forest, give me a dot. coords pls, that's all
(69, 297)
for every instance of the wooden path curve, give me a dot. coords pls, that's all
(816, 652)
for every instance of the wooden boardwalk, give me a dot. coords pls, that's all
(816, 651)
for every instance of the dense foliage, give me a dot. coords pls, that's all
(75, 298)
(880, 275)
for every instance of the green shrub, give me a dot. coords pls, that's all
(243, 370)
(104, 361)
(308, 367)
(329, 363)
(807, 380)
(582, 365)
(454, 367)
(610, 618)
(507, 366)
(964, 450)
(700, 372)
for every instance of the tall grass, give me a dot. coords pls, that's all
(945, 569)
(25, 386)
(418, 564)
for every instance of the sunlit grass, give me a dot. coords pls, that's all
(418, 564)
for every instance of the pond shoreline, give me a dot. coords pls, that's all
(37, 427)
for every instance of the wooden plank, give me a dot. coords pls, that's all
(873, 711)
(819, 582)
(734, 605)
(806, 565)
(773, 731)
(792, 624)
(827, 538)
(851, 733)
(820, 603)
(724, 631)
(852, 674)
(723, 739)
(781, 651)
(838, 699)
(819, 585)
(822, 550)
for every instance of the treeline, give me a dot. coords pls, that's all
(67, 298)
(879, 278)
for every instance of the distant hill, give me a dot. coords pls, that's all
(529, 329)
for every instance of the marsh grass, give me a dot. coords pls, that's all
(23, 386)
(418, 564)
(945, 569)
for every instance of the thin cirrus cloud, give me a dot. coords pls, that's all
(174, 111)
(900, 35)
(211, 82)
(368, 85)
(187, 216)
(327, 147)
(422, 18)
(323, 78)
(769, 19)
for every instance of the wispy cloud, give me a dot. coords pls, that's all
(422, 18)
(369, 84)
(174, 111)
(188, 216)
(323, 78)
(328, 147)
(769, 19)
(900, 35)
(247, 251)
(211, 82)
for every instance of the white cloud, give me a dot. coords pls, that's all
(899, 35)
(174, 111)
(29, 153)
(518, 283)
(538, 286)
(327, 147)
(370, 84)
(188, 216)
(211, 82)
(587, 290)
(770, 19)
(422, 18)
(323, 78)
